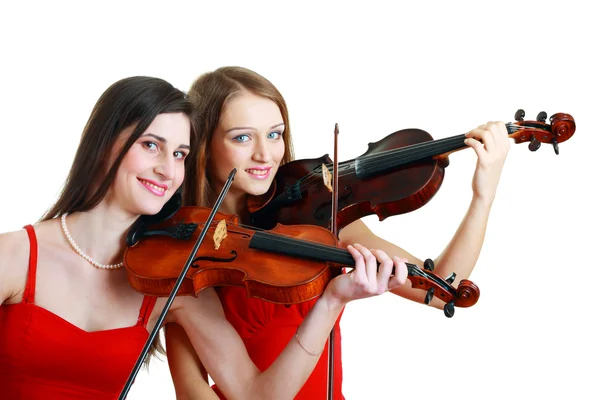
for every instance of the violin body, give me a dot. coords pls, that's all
(402, 189)
(282, 279)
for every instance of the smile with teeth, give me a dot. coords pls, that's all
(159, 190)
(258, 171)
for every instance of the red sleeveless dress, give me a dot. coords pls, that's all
(43, 356)
(266, 328)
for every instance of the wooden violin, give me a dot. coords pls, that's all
(396, 175)
(286, 265)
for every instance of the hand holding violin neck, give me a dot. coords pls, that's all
(465, 295)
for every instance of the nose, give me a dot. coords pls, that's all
(166, 167)
(262, 152)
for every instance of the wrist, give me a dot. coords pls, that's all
(331, 303)
(482, 201)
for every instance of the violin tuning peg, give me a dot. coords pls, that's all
(520, 115)
(541, 117)
(555, 145)
(449, 309)
(428, 296)
(428, 265)
(534, 144)
(450, 278)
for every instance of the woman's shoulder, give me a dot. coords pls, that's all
(16, 244)
(13, 244)
(14, 255)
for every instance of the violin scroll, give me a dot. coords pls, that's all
(465, 295)
(561, 128)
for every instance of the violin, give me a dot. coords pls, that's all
(285, 265)
(396, 175)
(288, 264)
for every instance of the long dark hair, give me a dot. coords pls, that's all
(131, 101)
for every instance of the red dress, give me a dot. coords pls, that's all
(42, 356)
(266, 328)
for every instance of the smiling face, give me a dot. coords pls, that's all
(153, 168)
(249, 137)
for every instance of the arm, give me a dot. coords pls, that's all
(491, 143)
(188, 373)
(222, 351)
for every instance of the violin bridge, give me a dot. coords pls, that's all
(220, 233)
(327, 177)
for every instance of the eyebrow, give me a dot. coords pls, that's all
(163, 140)
(247, 127)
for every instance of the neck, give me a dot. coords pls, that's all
(233, 204)
(101, 232)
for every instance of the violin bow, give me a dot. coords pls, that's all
(334, 230)
(178, 283)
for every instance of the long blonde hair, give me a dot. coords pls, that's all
(208, 94)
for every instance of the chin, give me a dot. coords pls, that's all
(150, 209)
(258, 190)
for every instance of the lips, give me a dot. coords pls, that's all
(154, 187)
(259, 173)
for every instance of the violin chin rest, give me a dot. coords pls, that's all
(169, 209)
(134, 232)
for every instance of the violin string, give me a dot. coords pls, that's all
(418, 150)
(434, 146)
(415, 151)
(331, 252)
(423, 149)
(282, 238)
(254, 228)
(310, 247)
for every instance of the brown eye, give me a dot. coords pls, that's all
(150, 145)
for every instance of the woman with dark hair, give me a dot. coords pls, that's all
(130, 162)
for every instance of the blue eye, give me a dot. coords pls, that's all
(274, 135)
(241, 138)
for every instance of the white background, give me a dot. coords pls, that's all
(444, 67)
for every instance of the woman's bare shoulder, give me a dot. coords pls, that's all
(14, 256)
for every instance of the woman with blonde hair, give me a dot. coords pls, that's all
(244, 123)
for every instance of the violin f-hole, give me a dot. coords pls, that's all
(323, 211)
(215, 259)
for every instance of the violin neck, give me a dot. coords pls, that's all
(279, 244)
(381, 162)
(275, 243)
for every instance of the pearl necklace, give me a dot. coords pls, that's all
(63, 221)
